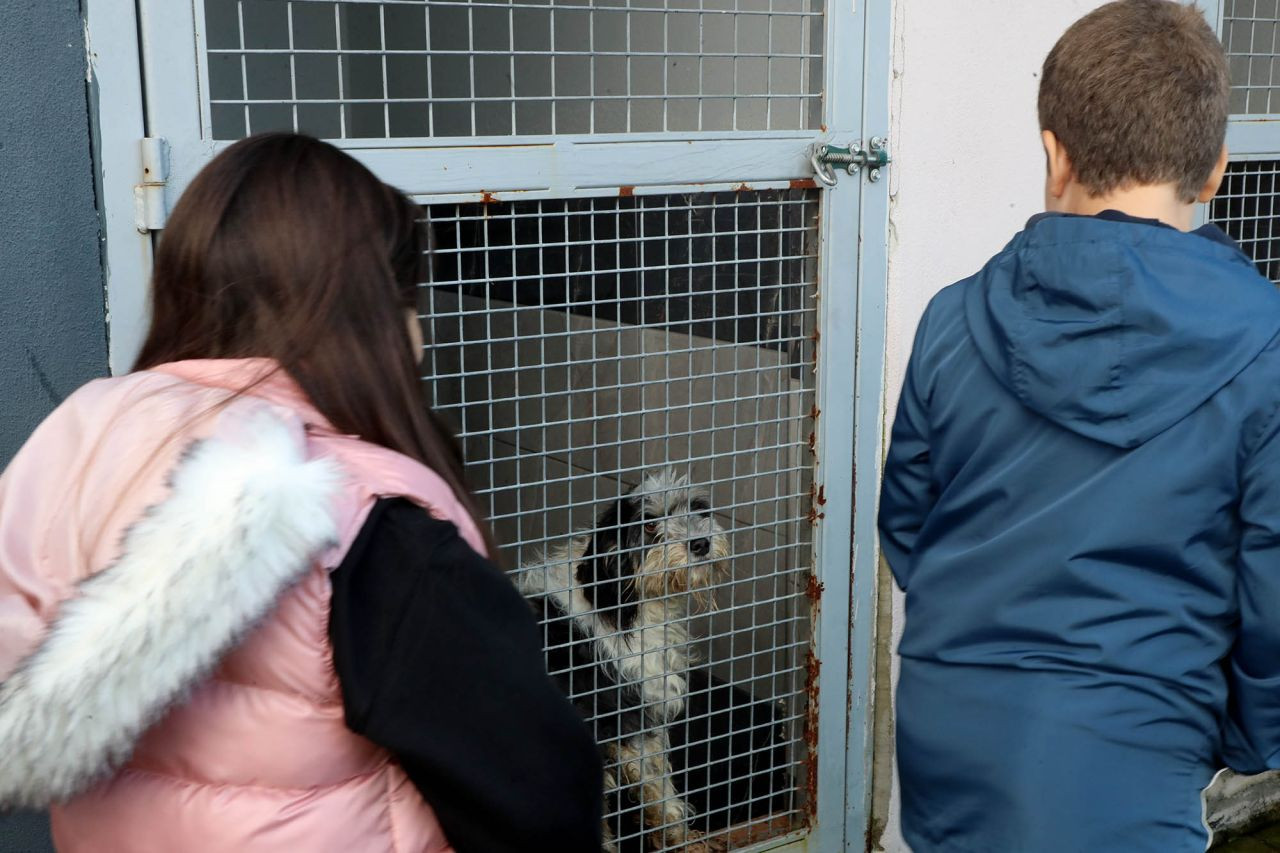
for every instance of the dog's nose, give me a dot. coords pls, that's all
(700, 547)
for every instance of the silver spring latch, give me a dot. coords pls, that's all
(827, 158)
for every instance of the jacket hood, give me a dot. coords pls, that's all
(245, 516)
(1117, 330)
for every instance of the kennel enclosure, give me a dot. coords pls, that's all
(636, 270)
(1246, 206)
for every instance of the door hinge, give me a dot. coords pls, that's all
(826, 158)
(149, 205)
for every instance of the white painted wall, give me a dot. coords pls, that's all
(968, 169)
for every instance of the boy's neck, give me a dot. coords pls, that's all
(1151, 201)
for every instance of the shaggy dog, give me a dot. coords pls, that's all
(615, 603)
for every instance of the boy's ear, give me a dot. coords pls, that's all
(1059, 170)
(1211, 186)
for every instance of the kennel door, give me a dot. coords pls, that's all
(638, 281)
(1248, 205)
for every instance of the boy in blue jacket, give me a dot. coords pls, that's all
(1082, 496)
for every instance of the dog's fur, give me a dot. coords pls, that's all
(615, 602)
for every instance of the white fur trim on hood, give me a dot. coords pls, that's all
(244, 520)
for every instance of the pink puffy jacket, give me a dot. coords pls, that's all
(166, 673)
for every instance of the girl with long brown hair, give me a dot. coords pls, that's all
(246, 600)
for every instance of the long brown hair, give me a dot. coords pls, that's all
(286, 248)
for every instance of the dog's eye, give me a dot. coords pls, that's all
(651, 527)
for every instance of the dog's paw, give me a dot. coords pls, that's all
(696, 842)
(717, 844)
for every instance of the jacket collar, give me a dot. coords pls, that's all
(1209, 231)
(263, 378)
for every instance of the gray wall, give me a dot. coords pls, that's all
(52, 335)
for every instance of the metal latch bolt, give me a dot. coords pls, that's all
(852, 159)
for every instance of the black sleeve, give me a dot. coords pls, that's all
(440, 663)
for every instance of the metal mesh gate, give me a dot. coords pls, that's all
(644, 337)
(1250, 32)
(1248, 208)
(586, 348)
(407, 68)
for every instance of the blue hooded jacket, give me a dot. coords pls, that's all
(1082, 503)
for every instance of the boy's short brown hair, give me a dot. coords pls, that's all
(1137, 92)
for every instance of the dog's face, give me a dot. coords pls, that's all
(659, 540)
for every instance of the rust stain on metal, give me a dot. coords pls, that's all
(815, 412)
(804, 184)
(813, 671)
(626, 192)
(813, 590)
(817, 498)
(742, 187)
(816, 336)
(813, 442)
(487, 197)
(813, 668)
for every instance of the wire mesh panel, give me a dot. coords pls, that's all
(1250, 33)
(1247, 208)
(632, 379)
(408, 68)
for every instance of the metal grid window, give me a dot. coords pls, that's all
(466, 68)
(1247, 208)
(1251, 33)
(582, 345)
